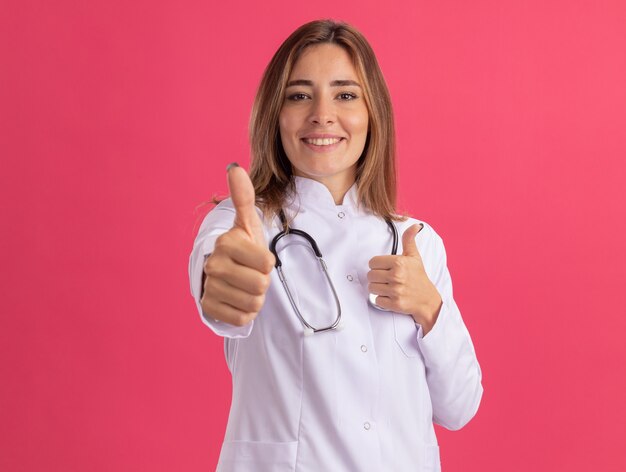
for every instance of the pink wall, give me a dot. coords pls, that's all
(117, 120)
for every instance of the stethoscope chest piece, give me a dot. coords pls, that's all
(372, 302)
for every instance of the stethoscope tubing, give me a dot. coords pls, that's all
(308, 328)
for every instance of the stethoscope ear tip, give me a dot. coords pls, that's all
(308, 332)
(341, 325)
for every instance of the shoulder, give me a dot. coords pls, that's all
(428, 240)
(427, 231)
(222, 212)
(223, 216)
(225, 205)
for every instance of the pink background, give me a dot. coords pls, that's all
(117, 122)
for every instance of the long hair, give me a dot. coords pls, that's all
(270, 170)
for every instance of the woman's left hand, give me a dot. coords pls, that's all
(402, 285)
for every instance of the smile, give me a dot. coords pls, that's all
(322, 141)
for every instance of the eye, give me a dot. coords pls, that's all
(296, 97)
(347, 96)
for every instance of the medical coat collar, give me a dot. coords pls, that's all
(315, 195)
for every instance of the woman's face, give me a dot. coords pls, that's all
(324, 120)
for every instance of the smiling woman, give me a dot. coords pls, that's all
(308, 395)
(324, 120)
(310, 47)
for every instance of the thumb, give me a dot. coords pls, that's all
(242, 195)
(409, 248)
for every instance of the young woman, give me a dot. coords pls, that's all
(341, 332)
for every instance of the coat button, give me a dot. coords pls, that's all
(363, 348)
(341, 214)
(349, 277)
(367, 426)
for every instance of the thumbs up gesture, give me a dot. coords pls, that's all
(237, 273)
(402, 285)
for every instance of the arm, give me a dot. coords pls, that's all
(404, 284)
(452, 370)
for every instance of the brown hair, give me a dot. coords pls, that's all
(271, 171)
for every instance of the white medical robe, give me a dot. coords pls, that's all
(363, 398)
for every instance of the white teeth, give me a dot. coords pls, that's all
(322, 142)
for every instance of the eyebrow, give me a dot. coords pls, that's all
(334, 83)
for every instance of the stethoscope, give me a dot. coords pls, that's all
(308, 328)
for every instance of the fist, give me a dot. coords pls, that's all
(401, 284)
(237, 273)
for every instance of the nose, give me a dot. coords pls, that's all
(322, 112)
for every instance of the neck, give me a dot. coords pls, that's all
(338, 192)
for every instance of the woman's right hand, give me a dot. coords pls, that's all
(237, 273)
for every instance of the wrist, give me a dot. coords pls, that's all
(428, 318)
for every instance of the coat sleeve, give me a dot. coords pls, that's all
(214, 224)
(452, 370)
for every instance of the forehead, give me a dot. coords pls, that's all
(324, 60)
